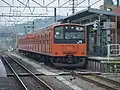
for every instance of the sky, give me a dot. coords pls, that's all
(40, 11)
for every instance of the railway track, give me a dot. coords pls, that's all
(9, 61)
(90, 77)
(99, 81)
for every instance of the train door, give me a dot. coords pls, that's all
(41, 43)
(45, 44)
(37, 43)
(35, 39)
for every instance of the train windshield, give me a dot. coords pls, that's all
(74, 35)
(69, 34)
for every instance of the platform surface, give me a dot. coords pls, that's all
(103, 58)
(2, 70)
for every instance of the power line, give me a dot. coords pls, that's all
(3, 15)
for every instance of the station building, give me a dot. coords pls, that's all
(103, 30)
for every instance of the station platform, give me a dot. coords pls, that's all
(105, 59)
(104, 64)
(2, 70)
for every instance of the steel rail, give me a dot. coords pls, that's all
(45, 85)
(107, 79)
(93, 81)
(16, 75)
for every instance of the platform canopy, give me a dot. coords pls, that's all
(87, 12)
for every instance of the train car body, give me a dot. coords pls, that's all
(62, 45)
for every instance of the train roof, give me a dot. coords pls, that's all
(53, 25)
(38, 30)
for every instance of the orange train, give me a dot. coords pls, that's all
(62, 45)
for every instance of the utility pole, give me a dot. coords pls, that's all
(55, 14)
(33, 26)
(117, 3)
(88, 4)
(116, 29)
(73, 7)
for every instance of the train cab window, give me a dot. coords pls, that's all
(74, 35)
(59, 33)
(69, 34)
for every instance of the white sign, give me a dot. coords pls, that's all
(108, 25)
(95, 25)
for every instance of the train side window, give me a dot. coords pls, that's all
(43, 41)
(40, 41)
(47, 41)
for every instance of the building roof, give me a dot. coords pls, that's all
(89, 11)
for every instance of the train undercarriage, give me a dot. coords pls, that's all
(61, 61)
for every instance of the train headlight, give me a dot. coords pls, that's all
(80, 28)
(66, 27)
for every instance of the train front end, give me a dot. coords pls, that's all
(69, 45)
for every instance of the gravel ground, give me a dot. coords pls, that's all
(51, 69)
(104, 82)
(113, 76)
(36, 66)
(9, 83)
(55, 83)
(8, 70)
(30, 67)
(41, 64)
(32, 84)
(58, 85)
(16, 66)
(83, 84)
